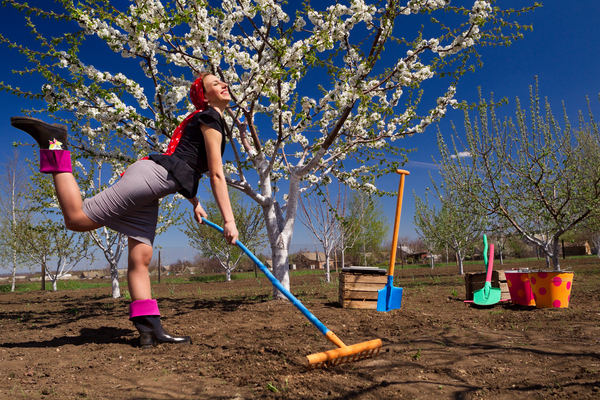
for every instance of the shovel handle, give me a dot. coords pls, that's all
(485, 251)
(490, 264)
(402, 173)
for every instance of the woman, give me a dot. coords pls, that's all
(130, 206)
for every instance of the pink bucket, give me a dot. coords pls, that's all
(519, 288)
(551, 289)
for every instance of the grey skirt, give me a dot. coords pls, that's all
(130, 206)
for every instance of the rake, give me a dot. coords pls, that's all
(343, 354)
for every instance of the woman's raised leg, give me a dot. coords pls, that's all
(71, 204)
(55, 159)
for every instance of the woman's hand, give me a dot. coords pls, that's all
(199, 213)
(230, 232)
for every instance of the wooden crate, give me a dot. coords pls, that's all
(503, 286)
(360, 289)
(476, 281)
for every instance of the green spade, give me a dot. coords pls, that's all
(488, 295)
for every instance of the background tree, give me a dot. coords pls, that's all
(587, 231)
(349, 230)
(432, 244)
(369, 224)
(45, 239)
(274, 64)
(211, 243)
(323, 217)
(49, 242)
(111, 243)
(14, 214)
(499, 231)
(454, 223)
(541, 179)
(517, 246)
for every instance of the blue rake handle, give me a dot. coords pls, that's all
(318, 324)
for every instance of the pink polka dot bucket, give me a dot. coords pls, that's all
(551, 289)
(519, 288)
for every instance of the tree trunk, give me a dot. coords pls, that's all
(114, 277)
(459, 260)
(14, 278)
(327, 271)
(336, 261)
(55, 284)
(596, 241)
(280, 270)
(228, 274)
(279, 240)
(555, 256)
(280, 231)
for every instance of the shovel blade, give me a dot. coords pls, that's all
(487, 296)
(389, 298)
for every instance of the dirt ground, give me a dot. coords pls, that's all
(80, 344)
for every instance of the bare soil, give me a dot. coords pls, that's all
(80, 344)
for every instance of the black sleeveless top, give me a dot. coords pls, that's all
(188, 162)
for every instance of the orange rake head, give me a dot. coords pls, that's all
(343, 354)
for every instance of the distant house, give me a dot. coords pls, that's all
(436, 257)
(164, 270)
(409, 255)
(98, 274)
(312, 260)
(575, 249)
(91, 274)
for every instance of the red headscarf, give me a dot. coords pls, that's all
(197, 97)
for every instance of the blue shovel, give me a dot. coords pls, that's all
(390, 297)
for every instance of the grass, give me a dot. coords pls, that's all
(241, 275)
(83, 284)
(421, 281)
(214, 278)
(61, 285)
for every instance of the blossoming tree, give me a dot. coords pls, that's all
(455, 223)
(316, 91)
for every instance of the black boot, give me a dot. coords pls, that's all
(44, 133)
(152, 332)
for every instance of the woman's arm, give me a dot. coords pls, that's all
(212, 143)
(197, 209)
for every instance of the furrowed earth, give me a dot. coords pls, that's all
(79, 344)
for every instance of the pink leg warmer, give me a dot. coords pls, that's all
(141, 308)
(55, 161)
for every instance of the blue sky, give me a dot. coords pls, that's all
(563, 51)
